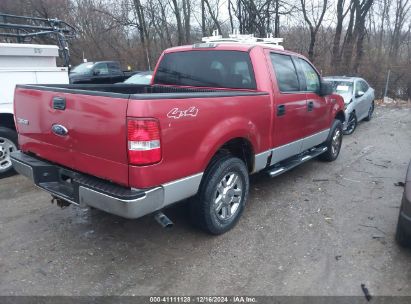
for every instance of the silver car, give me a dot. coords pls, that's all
(358, 98)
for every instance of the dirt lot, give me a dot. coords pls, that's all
(321, 229)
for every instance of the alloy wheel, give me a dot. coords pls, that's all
(352, 124)
(336, 142)
(6, 147)
(228, 196)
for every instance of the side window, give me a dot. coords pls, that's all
(285, 72)
(312, 79)
(364, 86)
(101, 68)
(113, 68)
(359, 87)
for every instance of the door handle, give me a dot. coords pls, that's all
(280, 110)
(59, 103)
(310, 106)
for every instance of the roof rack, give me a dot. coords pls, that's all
(235, 37)
(24, 29)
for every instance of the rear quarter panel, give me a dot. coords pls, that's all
(189, 142)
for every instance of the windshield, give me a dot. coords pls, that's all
(343, 87)
(139, 79)
(220, 69)
(84, 68)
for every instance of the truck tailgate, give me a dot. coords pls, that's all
(95, 142)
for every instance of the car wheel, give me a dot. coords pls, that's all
(351, 124)
(8, 144)
(402, 238)
(370, 112)
(333, 143)
(222, 195)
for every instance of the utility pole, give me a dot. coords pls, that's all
(386, 83)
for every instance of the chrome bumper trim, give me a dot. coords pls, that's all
(23, 169)
(131, 209)
(146, 201)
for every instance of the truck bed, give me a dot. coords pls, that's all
(95, 118)
(140, 91)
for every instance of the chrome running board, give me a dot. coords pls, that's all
(294, 161)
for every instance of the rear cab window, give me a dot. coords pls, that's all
(219, 69)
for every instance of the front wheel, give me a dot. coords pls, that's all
(333, 143)
(222, 195)
(351, 124)
(370, 111)
(8, 144)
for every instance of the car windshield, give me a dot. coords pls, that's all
(84, 68)
(139, 79)
(343, 87)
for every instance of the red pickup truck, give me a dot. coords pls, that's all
(213, 114)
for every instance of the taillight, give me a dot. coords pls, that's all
(143, 137)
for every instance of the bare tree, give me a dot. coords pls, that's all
(179, 22)
(401, 12)
(336, 53)
(364, 37)
(313, 16)
(187, 16)
(213, 16)
(362, 9)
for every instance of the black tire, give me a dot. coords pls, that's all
(403, 239)
(203, 207)
(6, 134)
(333, 142)
(351, 124)
(370, 111)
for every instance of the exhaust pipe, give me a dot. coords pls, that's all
(59, 202)
(163, 220)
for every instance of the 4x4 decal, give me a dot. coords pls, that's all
(176, 113)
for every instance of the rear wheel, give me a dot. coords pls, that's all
(8, 144)
(222, 195)
(351, 124)
(370, 112)
(333, 142)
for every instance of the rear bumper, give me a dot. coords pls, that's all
(85, 190)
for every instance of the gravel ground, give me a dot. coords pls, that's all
(320, 229)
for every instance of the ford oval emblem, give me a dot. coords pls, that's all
(59, 130)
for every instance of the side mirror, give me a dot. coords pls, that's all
(96, 72)
(359, 94)
(326, 88)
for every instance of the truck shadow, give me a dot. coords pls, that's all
(146, 228)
